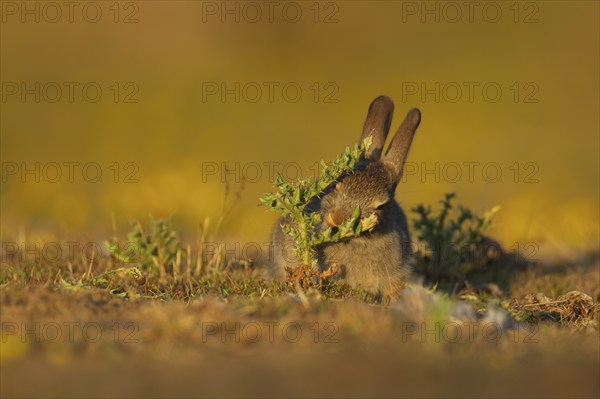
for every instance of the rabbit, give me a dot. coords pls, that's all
(378, 261)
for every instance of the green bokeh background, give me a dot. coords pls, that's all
(374, 48)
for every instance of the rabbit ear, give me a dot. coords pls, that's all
(377, 125)
(397, 152)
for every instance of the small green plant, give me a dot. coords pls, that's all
(454, 237)
(291, 200)
(153, 248)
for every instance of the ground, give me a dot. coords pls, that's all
(105, 329)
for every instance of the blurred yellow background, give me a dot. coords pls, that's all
(504, 87)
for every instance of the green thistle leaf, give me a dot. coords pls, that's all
(291, 199)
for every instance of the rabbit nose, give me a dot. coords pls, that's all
(335, 218)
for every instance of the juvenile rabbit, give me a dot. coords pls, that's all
(378, 261)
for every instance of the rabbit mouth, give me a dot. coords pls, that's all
(335, 218)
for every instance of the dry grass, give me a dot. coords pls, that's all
(183, 335)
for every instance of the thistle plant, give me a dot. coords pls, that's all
(291, 200)
(153, 248)
(450, 234)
